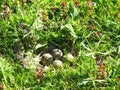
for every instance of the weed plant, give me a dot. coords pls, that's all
(89, 29)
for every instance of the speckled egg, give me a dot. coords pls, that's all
(57, 54)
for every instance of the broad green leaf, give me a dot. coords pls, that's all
(40, 45)
(70, 28)
(75, 14)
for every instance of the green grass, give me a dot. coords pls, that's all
(87, 31)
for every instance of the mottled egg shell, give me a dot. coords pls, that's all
(57, 63)
(57, 54)
(47, 59)
(68, 56)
